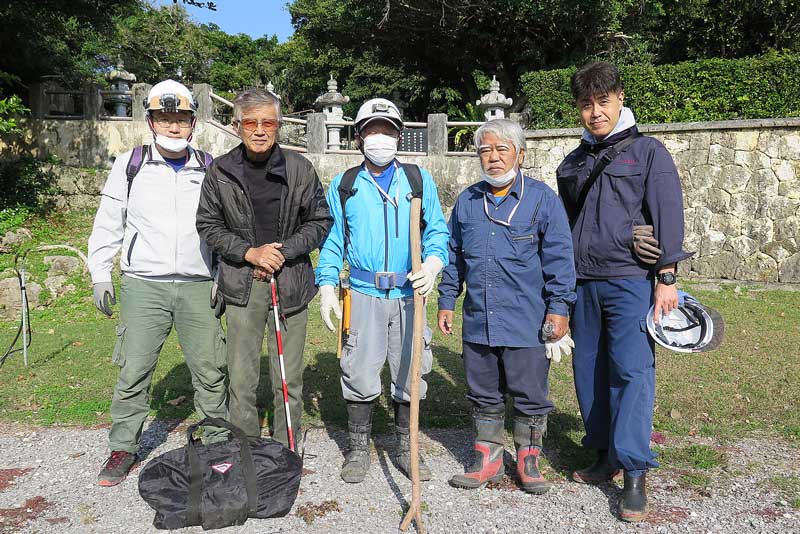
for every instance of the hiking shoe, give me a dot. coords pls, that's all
(600, 471)
(116, 468)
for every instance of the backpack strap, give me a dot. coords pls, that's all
(204, 158)
(415, 181)
(135, 164)
(345, 192)
(609, 156)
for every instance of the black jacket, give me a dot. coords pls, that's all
(641, 186)
(226, 221)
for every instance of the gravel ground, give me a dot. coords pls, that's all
(47, 484)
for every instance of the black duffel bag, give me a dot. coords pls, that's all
(220, 484)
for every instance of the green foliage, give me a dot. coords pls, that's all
(10, 108)
(12, 218)
(27, 186)
(706, 90)
(693, 456)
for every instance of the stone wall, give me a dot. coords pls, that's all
(741, 180)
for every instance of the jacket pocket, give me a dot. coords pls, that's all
(427, 351)
(118, 357)
(627, 185)
(130, 247)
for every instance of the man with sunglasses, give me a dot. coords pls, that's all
(147, 209)
(263, 211)
(510, 246)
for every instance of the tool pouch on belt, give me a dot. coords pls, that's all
(220, 484)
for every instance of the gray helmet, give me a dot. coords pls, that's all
(691, 327)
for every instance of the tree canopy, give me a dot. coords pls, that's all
(437, 55)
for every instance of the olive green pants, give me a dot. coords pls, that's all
(246, 326)
(148, 311)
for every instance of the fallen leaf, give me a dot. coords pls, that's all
(77, 343)
(51, 331)
(658, 437)
(77, 454)
(674, 414)
(177, 401)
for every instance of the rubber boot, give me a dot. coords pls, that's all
(488, 464)
(359, 426)
(528, 432)
(633, 503)
(402, 457)
(599, 471)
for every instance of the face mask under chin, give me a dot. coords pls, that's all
(502, 180)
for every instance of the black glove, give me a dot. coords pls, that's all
(645, 245)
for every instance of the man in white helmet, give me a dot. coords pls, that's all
(370, 205)
(147, 210)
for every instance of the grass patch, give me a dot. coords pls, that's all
(693, 457)
(789, 487)
(748, 384)
(695, 480)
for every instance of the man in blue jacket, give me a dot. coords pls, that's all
(510, 245)
(614, 363)
(374, 238)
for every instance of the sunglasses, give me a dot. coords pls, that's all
(251, 125)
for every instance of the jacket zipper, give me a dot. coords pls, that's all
(130, 247)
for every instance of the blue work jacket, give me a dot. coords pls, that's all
(514, 274)
(641, 186)
(380, 231)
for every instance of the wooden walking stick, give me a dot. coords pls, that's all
(414, 510)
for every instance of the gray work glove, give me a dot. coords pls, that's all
(645, 245)
(217, 301)
(104, 296)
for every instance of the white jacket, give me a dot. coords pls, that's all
(154, 225)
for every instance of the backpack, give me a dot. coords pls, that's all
(346, 191)
(137, 159)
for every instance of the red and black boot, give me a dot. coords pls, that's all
(488, 465)
(528, 432)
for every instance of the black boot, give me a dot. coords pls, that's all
(359, 426)
(600, 471)
(402, 457)
(633, 503)
(488, 464)
(528, 432)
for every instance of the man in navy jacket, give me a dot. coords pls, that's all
(614, 360)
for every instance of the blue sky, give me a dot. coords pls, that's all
(256, 18)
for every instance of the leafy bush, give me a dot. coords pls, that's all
(10, 107)
(27, 188)
(712, 89)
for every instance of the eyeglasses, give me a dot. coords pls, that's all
(165, 122)
(251, 125)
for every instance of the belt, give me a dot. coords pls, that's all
(381, 279)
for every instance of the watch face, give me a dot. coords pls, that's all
(667, 278)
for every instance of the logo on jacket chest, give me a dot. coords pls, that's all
(222, 468)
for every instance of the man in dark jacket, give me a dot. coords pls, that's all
(263, 210)
(614, 360)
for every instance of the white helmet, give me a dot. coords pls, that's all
(691, 327)
(170, 96)
(378, 108)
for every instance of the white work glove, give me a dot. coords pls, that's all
(424, 279)
(327, 303)
(556, 349)
(103, 293)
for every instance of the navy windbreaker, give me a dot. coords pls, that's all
(641, 186)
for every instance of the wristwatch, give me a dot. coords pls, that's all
(667, 278)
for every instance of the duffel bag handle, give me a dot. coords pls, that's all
(196, 469)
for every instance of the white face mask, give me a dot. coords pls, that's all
(502, 180)
(380, 149)
(170, 144)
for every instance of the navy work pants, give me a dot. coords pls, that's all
(520, 371)
(614, 365)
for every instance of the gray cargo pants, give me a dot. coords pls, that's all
(148, 311)
(381, 329)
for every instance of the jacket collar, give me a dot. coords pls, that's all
(233, 163)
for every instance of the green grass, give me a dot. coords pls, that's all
(747, 385)
(789, 487)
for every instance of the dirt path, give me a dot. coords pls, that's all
(47, 484)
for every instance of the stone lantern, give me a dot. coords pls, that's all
(271, 89)
(121, 80)
(330, 104)
(494, 102)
